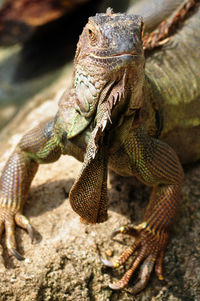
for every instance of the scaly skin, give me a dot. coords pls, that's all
(111, 116)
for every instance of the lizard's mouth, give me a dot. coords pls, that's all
(125, 53)
(124, 56)
(115, 59)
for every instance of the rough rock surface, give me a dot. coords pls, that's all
(63, 263)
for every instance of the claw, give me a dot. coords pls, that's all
(114, 286)
(30, 232)
(24, 223)
(117, 231)
(17, 254)
(109, 263)
(129, 230)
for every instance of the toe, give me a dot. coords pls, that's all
(144, 275)
(10, 238)
(159, 266)
(125, 279)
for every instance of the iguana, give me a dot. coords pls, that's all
(136, 120)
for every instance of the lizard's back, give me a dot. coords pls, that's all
(174, 72)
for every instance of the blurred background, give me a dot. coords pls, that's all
(37, 44)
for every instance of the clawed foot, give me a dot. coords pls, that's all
(8, 219)
(149, 248)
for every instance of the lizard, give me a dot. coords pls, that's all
(116, 114)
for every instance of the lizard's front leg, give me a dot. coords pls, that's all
(155, 164)
(39, 145)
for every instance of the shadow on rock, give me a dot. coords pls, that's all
(42, 198)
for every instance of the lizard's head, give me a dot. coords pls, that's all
(109, 62)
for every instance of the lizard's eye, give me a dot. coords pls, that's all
(92, 35)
